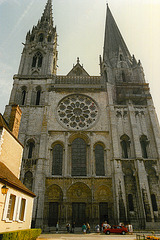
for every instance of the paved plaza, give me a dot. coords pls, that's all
(91, 236)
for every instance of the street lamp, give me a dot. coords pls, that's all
(4, 189)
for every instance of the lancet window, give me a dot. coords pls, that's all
(99, 160)
(125, 144)
(37, 60)
(57, 160)
(79, 157)
(144, 143)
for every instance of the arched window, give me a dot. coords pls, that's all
(144, 143)
(99, 158)
(31, 147)
(37, 60)
(40, 37)
(130, 202)
(154, 202)
(123, 77)
(125, 144)
(121, 57)
(28, 180)
(57, 160)
(49, 38)
(38, 96)
(79, 157)
(23, 96)
(32, 38)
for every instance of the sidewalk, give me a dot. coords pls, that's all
(91, 236)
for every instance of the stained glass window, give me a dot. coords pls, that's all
(78, 157)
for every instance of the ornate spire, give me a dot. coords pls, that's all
(113, 42)
(47, 14)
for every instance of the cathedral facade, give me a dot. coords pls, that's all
(91, 143)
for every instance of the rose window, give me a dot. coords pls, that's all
(77, 112)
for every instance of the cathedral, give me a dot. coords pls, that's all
(91, 143)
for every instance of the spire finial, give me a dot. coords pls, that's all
(47, 14)
(78, 60)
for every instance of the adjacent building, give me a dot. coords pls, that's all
(91, 143)
(17, 202)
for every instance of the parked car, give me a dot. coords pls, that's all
(116, 229)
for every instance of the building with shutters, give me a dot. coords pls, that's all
(91, 143)
(16, 202)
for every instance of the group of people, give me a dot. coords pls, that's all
(86, 227)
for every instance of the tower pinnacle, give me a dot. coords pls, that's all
(47, 14)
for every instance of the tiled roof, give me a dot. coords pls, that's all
(8, 178)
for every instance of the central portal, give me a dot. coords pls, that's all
(79, 213)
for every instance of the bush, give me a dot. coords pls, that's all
(29, 234)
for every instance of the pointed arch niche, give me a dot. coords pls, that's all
(125, 145)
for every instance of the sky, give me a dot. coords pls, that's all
(80, 27)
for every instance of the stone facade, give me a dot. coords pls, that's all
(92, 143)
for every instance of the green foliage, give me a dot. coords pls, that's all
(29, 234)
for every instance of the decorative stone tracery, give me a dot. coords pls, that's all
(77, 112)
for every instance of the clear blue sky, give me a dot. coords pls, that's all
(80, 26)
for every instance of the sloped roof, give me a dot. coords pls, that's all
(8, 178)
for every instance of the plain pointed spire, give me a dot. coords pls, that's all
(113, 42)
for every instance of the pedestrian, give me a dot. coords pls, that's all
(130, 228)
(88, 228)
(57, 227)
(68, 227)
(73, 227)
(84, 228)
(97, 227)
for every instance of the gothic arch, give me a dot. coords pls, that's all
(103, 193)
(54, 193)
(79, 192)
(79, 135)
(57, 142)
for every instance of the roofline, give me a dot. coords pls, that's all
(15, 186)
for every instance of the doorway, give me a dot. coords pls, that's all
(79, 213)
(103, 212)
(53, 214)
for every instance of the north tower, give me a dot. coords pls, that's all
(92, 143)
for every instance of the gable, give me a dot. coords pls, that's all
(78, 70)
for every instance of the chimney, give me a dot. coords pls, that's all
(15, 119)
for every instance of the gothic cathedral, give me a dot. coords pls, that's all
(91, 143)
